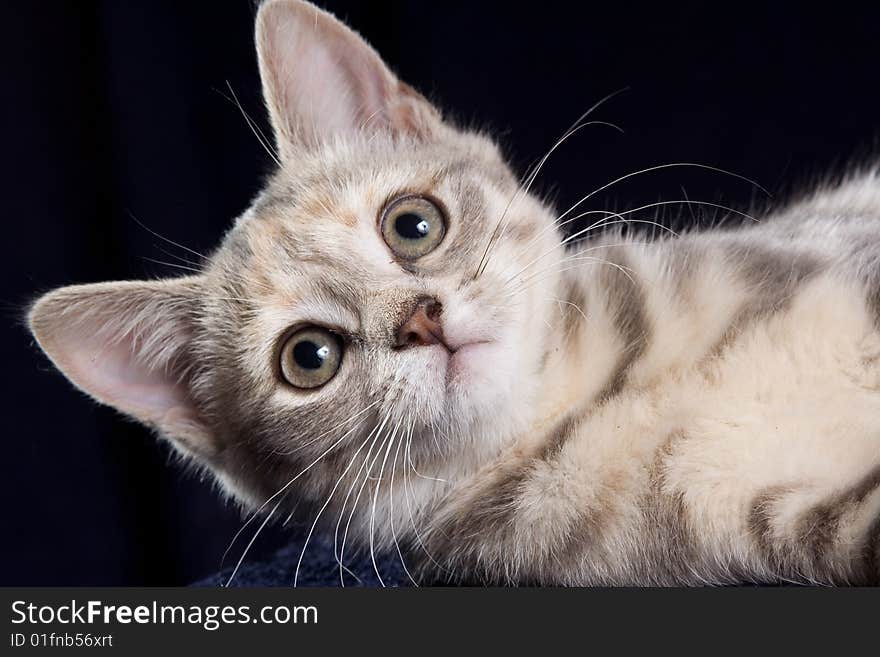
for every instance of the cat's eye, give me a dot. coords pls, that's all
(311, 357)
(412, 226)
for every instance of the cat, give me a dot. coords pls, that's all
(397, 342)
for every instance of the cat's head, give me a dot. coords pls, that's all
(368, 302)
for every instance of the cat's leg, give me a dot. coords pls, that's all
(826, 536)
(792, 508)
(779, 466)
(636, 495)
(563, 511)
(510, 523)
(517, 525)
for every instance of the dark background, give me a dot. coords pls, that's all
(113, 109)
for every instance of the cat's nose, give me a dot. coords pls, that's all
(423, 327)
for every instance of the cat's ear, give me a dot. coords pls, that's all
(127, 344)
(320, 79)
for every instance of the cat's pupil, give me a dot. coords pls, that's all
(411, 226)
(309, 355)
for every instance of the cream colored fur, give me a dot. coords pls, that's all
(696, 409)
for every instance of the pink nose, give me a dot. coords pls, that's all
(423, 328)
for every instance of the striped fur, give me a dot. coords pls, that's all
(697, 409)
(752, 455)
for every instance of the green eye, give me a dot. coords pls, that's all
(412, 226)
(311, 357)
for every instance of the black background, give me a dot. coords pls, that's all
(114, 109)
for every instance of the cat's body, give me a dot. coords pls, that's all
(731, 430)
(693, 409)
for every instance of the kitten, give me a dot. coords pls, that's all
(397, 337)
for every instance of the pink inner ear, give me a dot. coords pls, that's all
(326, 79)
(324, 95)
(118, 343)
(111, 372)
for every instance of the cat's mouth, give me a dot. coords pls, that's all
(463, 357)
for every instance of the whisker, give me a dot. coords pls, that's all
(261, 138)
(378, 485)
(172, 264)
(657, 168)
(530, 177)
(607, 215)
(171, 254)
(360, 490)
(374, 433)
(602, 223)
(321, 511)
(575, 254)
(524, 189)
(312, 441)
(556, 223)
(162, 237)
(574, 258)
(408, 497)
(593, 261)
(391, 510)
(573, 305)
(286, 486)
(260, 528)
(437, 445)
(253, 539)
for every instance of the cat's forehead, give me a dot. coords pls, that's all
(358, 172)
(317, 220)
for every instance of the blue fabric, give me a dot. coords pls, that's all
(319, 568)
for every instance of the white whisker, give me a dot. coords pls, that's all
(321, 510)
(378, 485)
(391, 509)
(285, 487)
(360, 490)
(261, 138)
(526, 184)
(408, 497)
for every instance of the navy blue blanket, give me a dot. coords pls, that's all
(319, 568)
